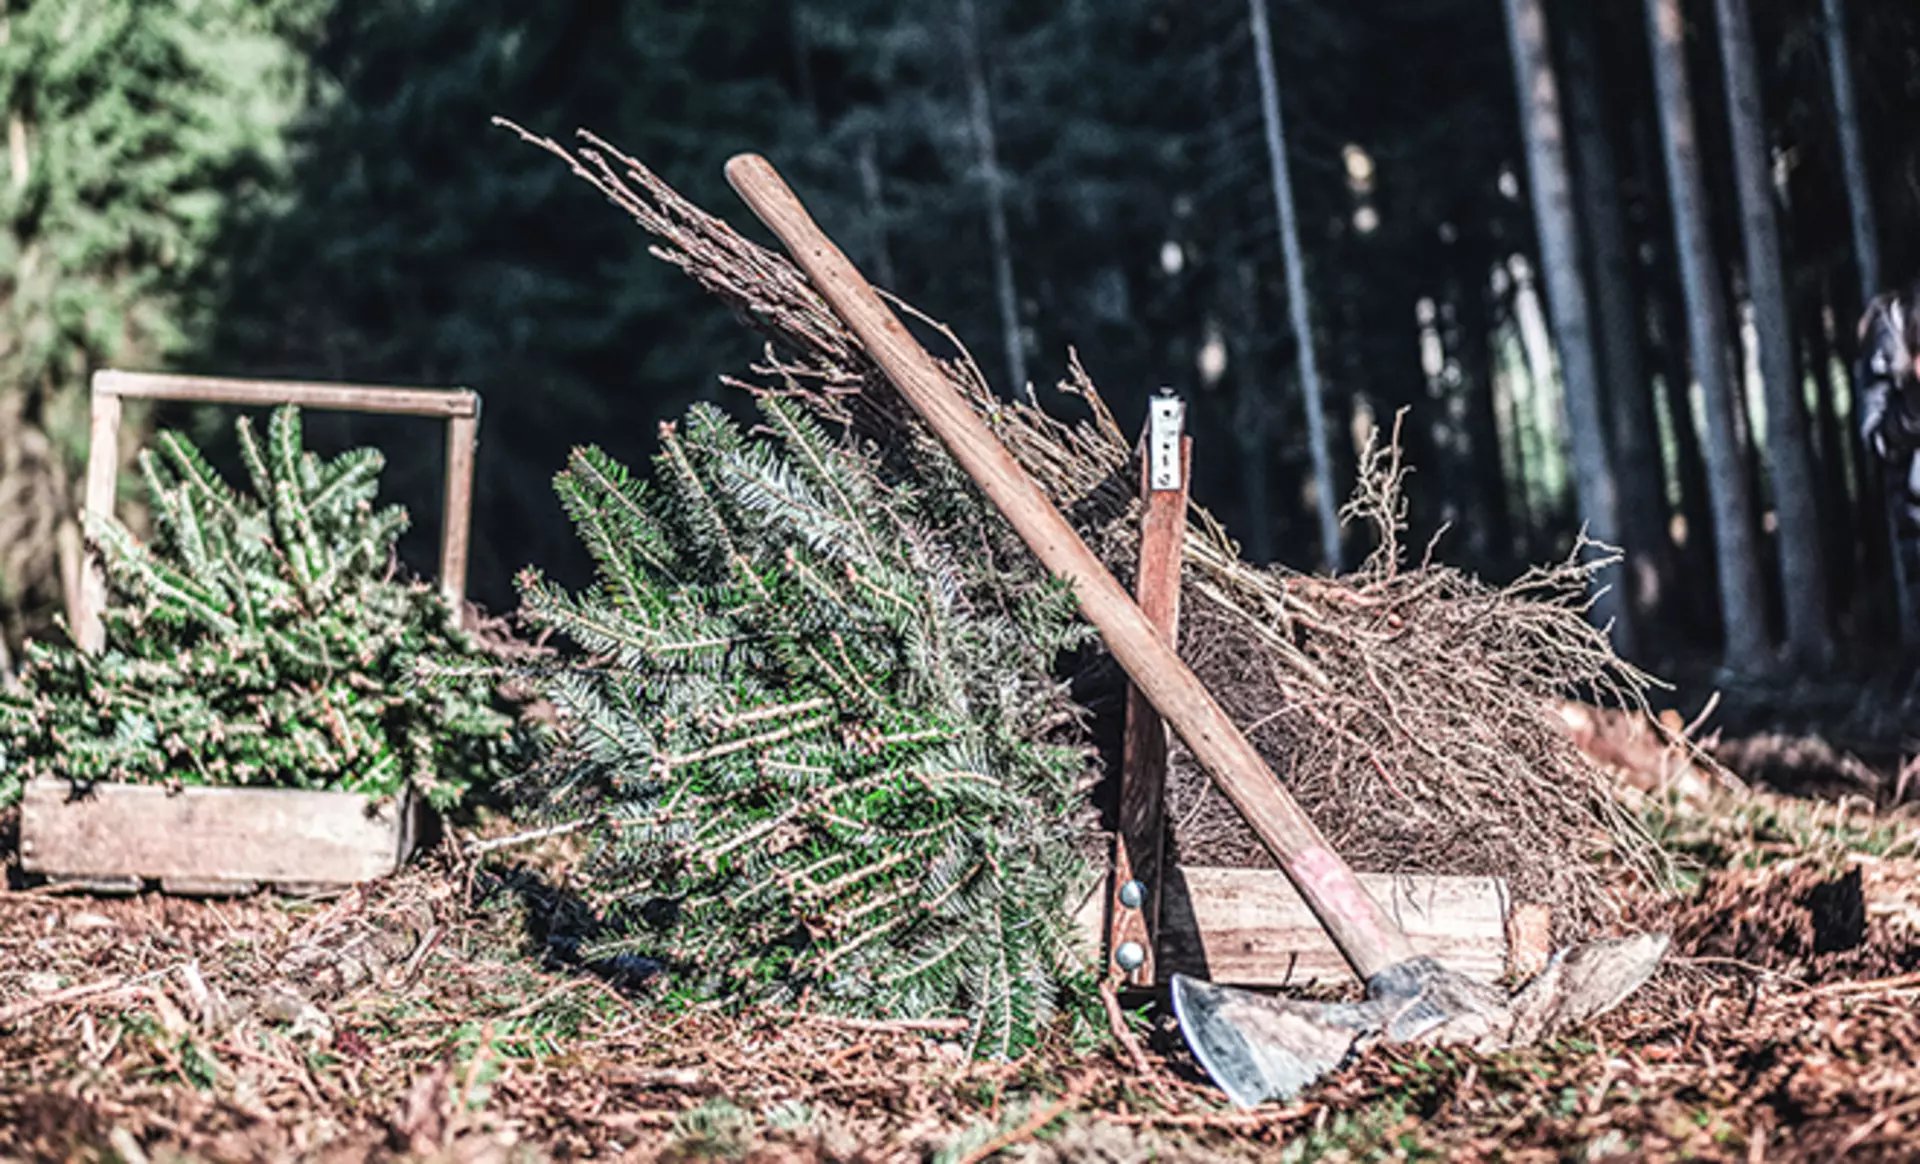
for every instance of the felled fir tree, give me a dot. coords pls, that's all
(818, 730)
(260, 639)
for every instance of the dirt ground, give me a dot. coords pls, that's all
(444, 1014)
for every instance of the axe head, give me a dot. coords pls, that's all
(1258, 1047)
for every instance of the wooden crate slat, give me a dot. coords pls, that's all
(437, 402)
(210, 835)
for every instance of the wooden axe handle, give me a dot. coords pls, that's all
(1369, 938)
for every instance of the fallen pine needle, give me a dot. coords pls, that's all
(25, 1007)
(1861, 1134)
(1231, 1120)
(1033, 1124)
(301, 1078)
(1871, 986)
(953, 1026)
(477, 848)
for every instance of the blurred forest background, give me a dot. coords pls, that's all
(310, 188)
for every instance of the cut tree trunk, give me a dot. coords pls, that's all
(1560, 258)
(1742, 611)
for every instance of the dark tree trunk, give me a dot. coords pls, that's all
(1837, 505)
(1469, 341)
(1299, 307)
(1561, 260)
(1633, 432)
(1797, 528)
(1742, 609)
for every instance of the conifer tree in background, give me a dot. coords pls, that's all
(259, 640)
(818, 735)
(133, 128)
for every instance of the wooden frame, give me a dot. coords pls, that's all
(459, 407)
(1250, 927)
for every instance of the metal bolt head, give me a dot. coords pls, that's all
(1132, 894)
(1130, 956)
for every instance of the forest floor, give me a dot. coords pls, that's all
(441, 1014)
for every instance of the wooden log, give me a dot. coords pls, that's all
(1141, 839)
(1249, 927)
(203, 840)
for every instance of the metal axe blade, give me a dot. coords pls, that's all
(1257, 1047)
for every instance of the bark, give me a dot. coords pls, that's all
(1742, 612)
(1326, 498)
(1621, 352)
(1796, 489)
(1560, 260)
(1694, 605)
(993, 180)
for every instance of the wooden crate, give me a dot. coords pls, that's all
(118, 837)
(107, 837)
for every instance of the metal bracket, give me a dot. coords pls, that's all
(1166, 417)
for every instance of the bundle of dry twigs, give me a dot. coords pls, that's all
(1408, 709)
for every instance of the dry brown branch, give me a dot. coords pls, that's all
(15, 1012)
(1117, 1024)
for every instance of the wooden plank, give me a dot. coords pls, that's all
(210, 835)
(1141, 840)
(103, 475)
(1249, 927)
(443, 402)
(463, 434)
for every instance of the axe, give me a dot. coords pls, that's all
(1254, 1046)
